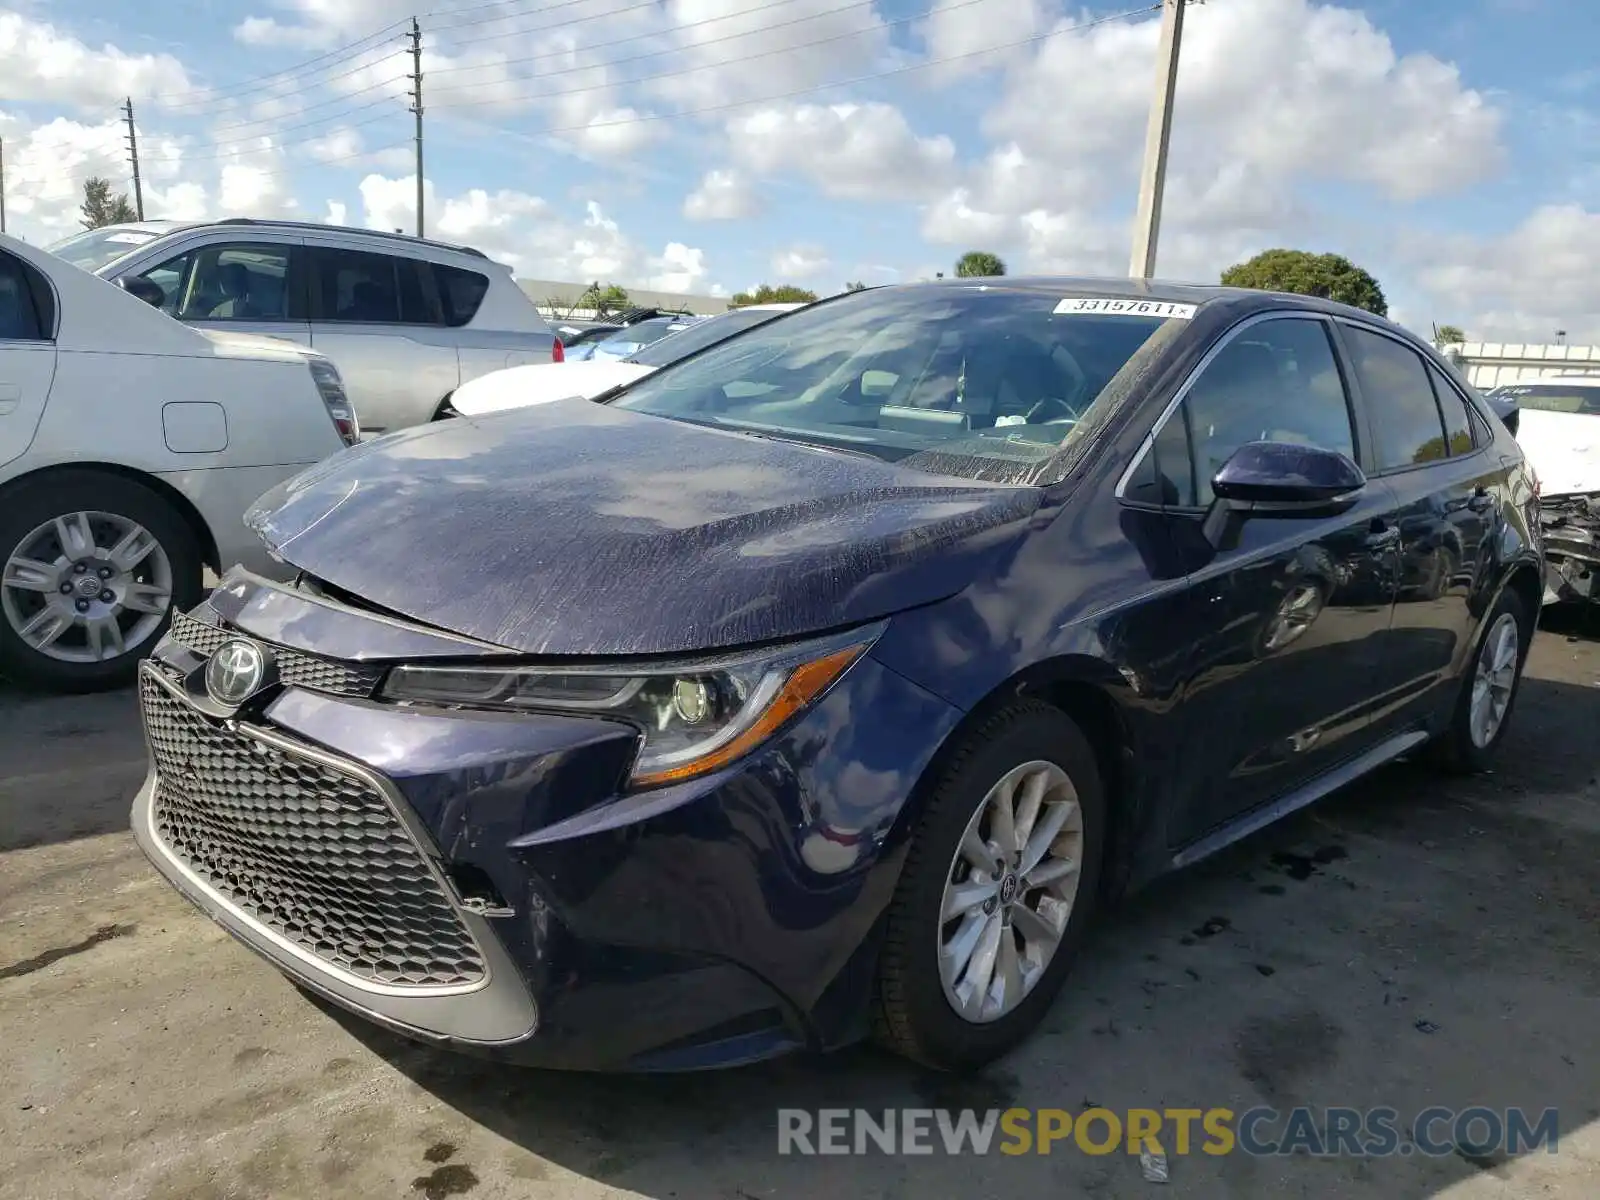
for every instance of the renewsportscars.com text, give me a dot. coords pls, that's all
(1325, 1132)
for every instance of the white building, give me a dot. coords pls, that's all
(1489, 364)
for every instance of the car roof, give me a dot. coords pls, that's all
(1119, 287)
(161, 226)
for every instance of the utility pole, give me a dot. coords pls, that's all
(1157, 138)
(416, 107)
(2, 185)
(133, 155)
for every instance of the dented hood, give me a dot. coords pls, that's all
(1564, 449)
(574, 528)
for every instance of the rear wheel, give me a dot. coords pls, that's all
(998, 888)
(92, 565)
(1483, 711)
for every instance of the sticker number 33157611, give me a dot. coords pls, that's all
(1123, 307)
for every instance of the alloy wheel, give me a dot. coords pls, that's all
(1494, 679)
(1009, 892)
(86, 587)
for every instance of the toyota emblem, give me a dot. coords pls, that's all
(235, 671)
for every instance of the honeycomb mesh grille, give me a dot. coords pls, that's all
(313, 854)
(294, 668)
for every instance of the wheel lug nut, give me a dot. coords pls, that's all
(66, 589)
(78, 568)
(105, 572)
(83, 606)
(108, 596)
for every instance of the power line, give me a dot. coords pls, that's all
(637, 37)
(838, 83)
(227, 126)
(696, 68)
(257, 82)
(211, 100)
(276, 147)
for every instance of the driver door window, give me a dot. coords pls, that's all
(226, 283)
(1275, 381)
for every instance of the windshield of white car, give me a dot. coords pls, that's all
(1552, 397)
(642, 333)
(982, 381)
(94, 248)
(700, 335)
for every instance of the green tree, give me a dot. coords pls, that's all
(783, 293)
(857, 286)
(1447, 335)
(1331, 276)
(100, 207)
(610, 298)
(979, 264)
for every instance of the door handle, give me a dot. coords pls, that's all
(1481, 500)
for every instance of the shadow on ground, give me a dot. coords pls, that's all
(1379, 949)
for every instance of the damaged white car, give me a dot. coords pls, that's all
(1558, 425)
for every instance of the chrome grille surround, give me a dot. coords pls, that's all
(308, 850)
(295, 668)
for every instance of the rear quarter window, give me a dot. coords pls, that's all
(460, 293)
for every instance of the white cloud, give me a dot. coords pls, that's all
(39, 63)
(264, 31)
(678, 268)
(1322, 81)
(732, 50)
(1534, 280)
(852, 151)
(723, 195)
(961, 30)
(528, 234)
(800, 262)
(338, 213)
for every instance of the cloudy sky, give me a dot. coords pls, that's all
(1451, 146)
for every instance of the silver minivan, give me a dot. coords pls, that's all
(406, 320)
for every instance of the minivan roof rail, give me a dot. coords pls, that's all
(376, 233)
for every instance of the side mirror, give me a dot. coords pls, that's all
(1505, 407)
(1279, 479)
(147, 290)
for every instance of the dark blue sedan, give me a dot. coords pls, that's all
(828, 682)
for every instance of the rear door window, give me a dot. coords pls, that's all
(460, 293)
(360, 287)
(19, 316)
(1406, 425)
(1457, 424)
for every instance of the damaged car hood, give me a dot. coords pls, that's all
(1564, 449)
(574, 528)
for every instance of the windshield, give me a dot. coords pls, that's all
(640, 334)
(702, 334)
(981, 380)
(1552, 397)
(94, 248)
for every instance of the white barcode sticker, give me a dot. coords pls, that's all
(1124, 307)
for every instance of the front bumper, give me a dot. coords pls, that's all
(718, 921)
(1570, 529)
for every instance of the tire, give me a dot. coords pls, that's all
(913, 1013)
(1459, 749)
(52, 526)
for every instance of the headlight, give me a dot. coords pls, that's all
(693, 718)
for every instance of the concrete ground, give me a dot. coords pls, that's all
(1407, 943)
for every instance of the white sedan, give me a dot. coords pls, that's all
(130, 446)
(517, 387)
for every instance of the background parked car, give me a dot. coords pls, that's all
(521, 386)
(407, 320)
(130, 446)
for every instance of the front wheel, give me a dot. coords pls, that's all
(92, 567)
(999, 885)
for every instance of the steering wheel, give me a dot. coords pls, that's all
(1063, 410)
